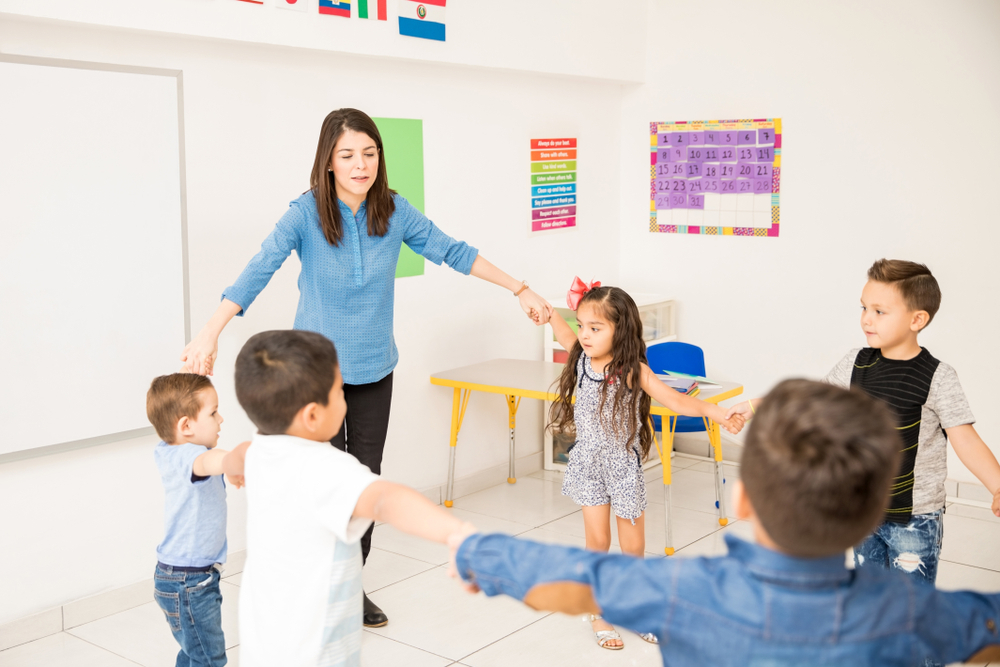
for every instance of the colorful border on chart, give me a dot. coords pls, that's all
(695, 125)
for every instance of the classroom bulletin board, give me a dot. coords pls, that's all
(715, 177)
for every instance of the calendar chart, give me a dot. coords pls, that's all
(715, 177)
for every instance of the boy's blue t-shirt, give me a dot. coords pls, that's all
(194, 509)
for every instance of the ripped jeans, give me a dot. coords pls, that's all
(913, 548)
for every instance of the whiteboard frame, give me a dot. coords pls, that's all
(72, 445)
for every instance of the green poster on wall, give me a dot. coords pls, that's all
(403, 144)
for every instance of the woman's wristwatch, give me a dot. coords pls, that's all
(524, 286)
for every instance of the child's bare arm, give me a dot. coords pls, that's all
(232, 464)
(686, 405)
(209, 463)
(407, 510)
(564, 333)
(978, 458)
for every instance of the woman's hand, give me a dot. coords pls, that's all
(199, 355)
(535, 307)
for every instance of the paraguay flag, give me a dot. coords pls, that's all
(335, 7)
(422, 18)
(372, 9)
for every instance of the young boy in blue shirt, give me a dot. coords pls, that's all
(815, 476)
(184, 410)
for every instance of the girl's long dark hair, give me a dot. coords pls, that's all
(628, 353)
(379, 200)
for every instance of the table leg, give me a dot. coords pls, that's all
(666, 459)
(512, 406)
(459, 402)
(715, 437)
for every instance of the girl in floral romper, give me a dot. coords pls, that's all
(607, 373)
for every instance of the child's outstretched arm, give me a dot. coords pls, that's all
(978, 458)
(687, 405)
(405, 509)
(233, 463)
(746, 409)
(564, 333)
(628, 591)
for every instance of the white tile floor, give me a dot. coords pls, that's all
(433, 623)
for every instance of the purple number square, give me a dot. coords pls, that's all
(677, 169)
(696, 138)
(712, 154)
(762, 186)
(710, 184)
(744, 186)
(678, 138)
(693, 169)
(727, 154)
(662, 202)
(678, 200)
(663, 170)
(762, 170)
(727, 138)
(744, 170)
(727, 186)
(663, 155)
(765, 136)
(727, 171)
(712, 137)
(746, 154)
(694, 185)
(661, 185)
(677, 154)
(678, 185)
(710, 170)
(764, 154)
(663, 139)
(696, 154)
(746, 137)
(696, 201)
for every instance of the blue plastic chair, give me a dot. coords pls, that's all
(680, 358)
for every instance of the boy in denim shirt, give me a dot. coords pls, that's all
(815, 477)
(184, 409)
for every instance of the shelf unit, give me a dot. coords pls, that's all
(658, 326)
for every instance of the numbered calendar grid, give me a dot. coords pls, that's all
(716, 177)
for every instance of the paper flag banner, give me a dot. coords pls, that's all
(297, 5)
(372, 9)
(335, 7)
(253, 2)
(422, 18)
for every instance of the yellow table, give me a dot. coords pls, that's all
(516, 379)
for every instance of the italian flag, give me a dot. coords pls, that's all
(372, 9)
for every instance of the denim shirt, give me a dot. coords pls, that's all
(754, 606)
(346, 292)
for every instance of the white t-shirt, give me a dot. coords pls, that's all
(300, 597)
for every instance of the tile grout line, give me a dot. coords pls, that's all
(106, 650)
(510, 634)
(416, 648)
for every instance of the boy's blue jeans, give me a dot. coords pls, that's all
(913, 548)
(192, 604)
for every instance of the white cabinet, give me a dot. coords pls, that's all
(658, 326)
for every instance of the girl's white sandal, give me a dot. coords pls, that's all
(605, 636)
(650, 637)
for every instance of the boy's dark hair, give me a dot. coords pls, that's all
(280, 372)
(171, 397)
(817, 466)
(914, 281)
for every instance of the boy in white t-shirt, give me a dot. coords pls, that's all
(308, 504)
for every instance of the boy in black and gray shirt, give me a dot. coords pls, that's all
(924, 394)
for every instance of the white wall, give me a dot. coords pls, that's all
(90, 520)
(890, 113)
(551, 36)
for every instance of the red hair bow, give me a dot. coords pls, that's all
(577, 290)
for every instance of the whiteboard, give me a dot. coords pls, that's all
(93, 271)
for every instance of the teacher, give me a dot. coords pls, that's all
(348, 230)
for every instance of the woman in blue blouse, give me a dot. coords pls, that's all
(347, 230)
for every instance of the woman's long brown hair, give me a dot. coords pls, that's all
(379, 200)
(628, 353)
